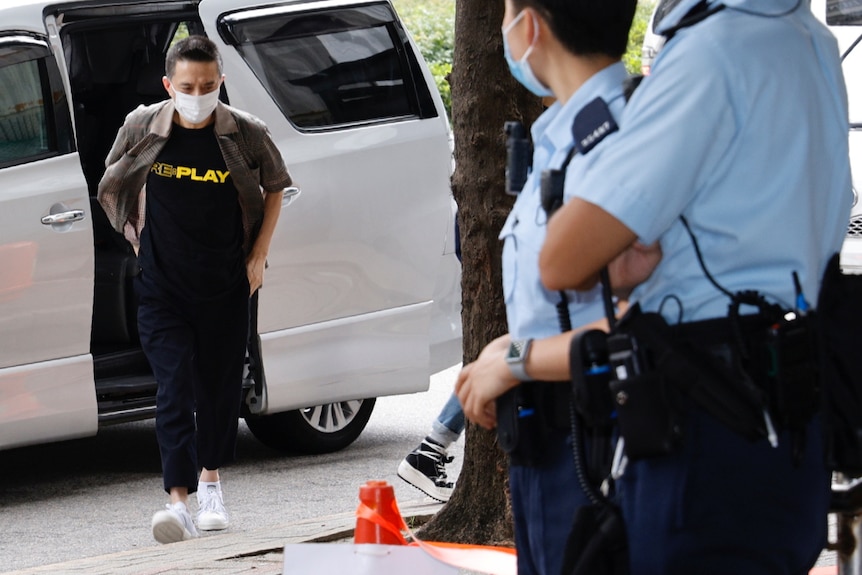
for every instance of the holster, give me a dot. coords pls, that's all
(526, 417)
(590, 375)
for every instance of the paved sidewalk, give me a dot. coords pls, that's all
(257, 552)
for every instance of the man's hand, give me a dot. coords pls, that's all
(633, 267)
(254, 265)
(480, 383)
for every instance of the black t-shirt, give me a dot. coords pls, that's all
(192, 240)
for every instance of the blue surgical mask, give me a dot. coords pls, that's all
(521, 69)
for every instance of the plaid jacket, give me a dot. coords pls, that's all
(248, 150)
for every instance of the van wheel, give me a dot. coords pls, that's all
(320, 429)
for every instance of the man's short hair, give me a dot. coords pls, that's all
(192, 49)
(587, 27)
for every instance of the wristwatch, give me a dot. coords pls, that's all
(516, 357)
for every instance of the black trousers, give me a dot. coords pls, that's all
(197, 351)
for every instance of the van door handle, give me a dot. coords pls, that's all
(288, 195)
(63, 217)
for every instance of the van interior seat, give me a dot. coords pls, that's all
(114, 301)
(149, 86)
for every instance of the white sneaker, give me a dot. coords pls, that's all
(212, 516)
(174, 523)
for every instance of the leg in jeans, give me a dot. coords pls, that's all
(449, 424)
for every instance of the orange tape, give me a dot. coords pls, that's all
(481, 558)
(369, 514)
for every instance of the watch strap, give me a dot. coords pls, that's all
(517, 358)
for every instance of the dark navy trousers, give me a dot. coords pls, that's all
(196, 349)
(723, 505)
(544, 501)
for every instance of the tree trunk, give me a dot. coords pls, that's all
(484, 96)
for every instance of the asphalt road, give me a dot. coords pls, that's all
(95, 496)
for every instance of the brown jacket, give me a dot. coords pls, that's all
(251, 156)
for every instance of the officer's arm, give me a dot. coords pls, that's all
(480, 383)
(549, 357)
(582, 238)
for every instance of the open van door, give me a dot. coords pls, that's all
(346, 311)
(46, 256)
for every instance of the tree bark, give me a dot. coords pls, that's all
(484, 97)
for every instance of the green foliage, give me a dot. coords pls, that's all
(431, 23)
(441, 71)
(181, 34)
(632, 57)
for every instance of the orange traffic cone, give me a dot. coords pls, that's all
(377, 517)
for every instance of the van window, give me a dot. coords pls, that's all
(31, 104)
(852, 65)
(334, 67)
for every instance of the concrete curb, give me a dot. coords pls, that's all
(257, 552)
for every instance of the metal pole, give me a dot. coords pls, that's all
(849, 534)
(847, 506)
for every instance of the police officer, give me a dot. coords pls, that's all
(751, 155)
(569, 50)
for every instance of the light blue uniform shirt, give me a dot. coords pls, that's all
(742, 128)
(530, 308)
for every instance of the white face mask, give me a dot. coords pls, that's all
(195, 109)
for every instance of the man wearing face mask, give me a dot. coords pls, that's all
(569, 50)
(196, 186)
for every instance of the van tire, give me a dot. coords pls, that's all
(309, 431)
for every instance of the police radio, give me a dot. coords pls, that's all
(519, 157)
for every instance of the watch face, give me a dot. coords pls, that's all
(516, 349)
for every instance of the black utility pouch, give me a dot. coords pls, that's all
(793, 371)
(646, 421)
(590, 374)
(641, 394)
(522, 428)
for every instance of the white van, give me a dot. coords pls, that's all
(362, 294)
(849, 38)
(653, 43)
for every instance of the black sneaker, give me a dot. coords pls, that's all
(425, 469)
